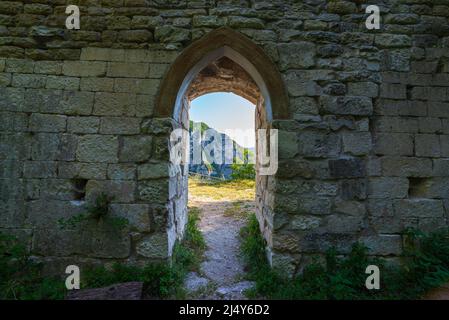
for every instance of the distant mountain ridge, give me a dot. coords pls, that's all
(207, 167)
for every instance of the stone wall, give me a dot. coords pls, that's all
(364, 150)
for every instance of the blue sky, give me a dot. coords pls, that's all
(223, 111)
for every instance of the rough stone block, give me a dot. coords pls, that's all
(128, 70)
(303, 223)
(12, 210)
(357, 143)
(84, 69)
(297, 55)
(102, 54)
(40, 169)
(97, 84)
(48, 67)
(388, 187)
(367, 89)
(392, 40)
(359, 106)
(142, 86)
(97, 148)
(353, 189)
(122, 171)
(319, 145)
(153, 171)
(138, 215)
(347, 168)
(87, 171)
(419, 208)
(396, 124)
(383, 244)
(171, 34)
(444, 143)
(314, 205)
(83, 124)
(288, 144)
(438, 109)
(77, 103)
(13, 121)
(155, 191)
(47, 123)
(12, 99)
(400, 144)
(344, 224)
(393, 91)
(19, 66)
(430, 125)
(28, 81)
(406, 167)
(120, 125)
(154, 247)
(114, 104)
(119, 191)
(63, 83)
(427, 145)
(441, 167)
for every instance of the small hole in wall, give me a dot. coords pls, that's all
(418, 187)
(79, 189)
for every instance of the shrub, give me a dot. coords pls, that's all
(21, 278)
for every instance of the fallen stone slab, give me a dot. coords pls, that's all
(194, 282)
(121, 291)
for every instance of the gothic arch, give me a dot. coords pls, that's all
(223, 42)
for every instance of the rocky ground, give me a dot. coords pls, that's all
(222, 271)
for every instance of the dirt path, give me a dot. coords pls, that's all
(222, 269)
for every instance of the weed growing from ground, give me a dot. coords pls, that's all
(425, 266)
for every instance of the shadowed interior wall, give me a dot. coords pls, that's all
(363, 125)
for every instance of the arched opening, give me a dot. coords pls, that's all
(222, 61)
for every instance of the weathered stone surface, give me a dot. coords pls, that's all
(114, 104)
(153, 171)
(347, 105)
(399, 144)
(304, 223)
(357, 143)
(117, 190)
(47, 123)
(406, 167)
(120, 125)
(297, 55)
(364, 131)
(388, 187)
(154, 246)
(97, 148)
(154, 191)
(419, 208)
(84, 69)
(135, 148)
(138, 215)
(347, 168)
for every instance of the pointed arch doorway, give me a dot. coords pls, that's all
(199, 70)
